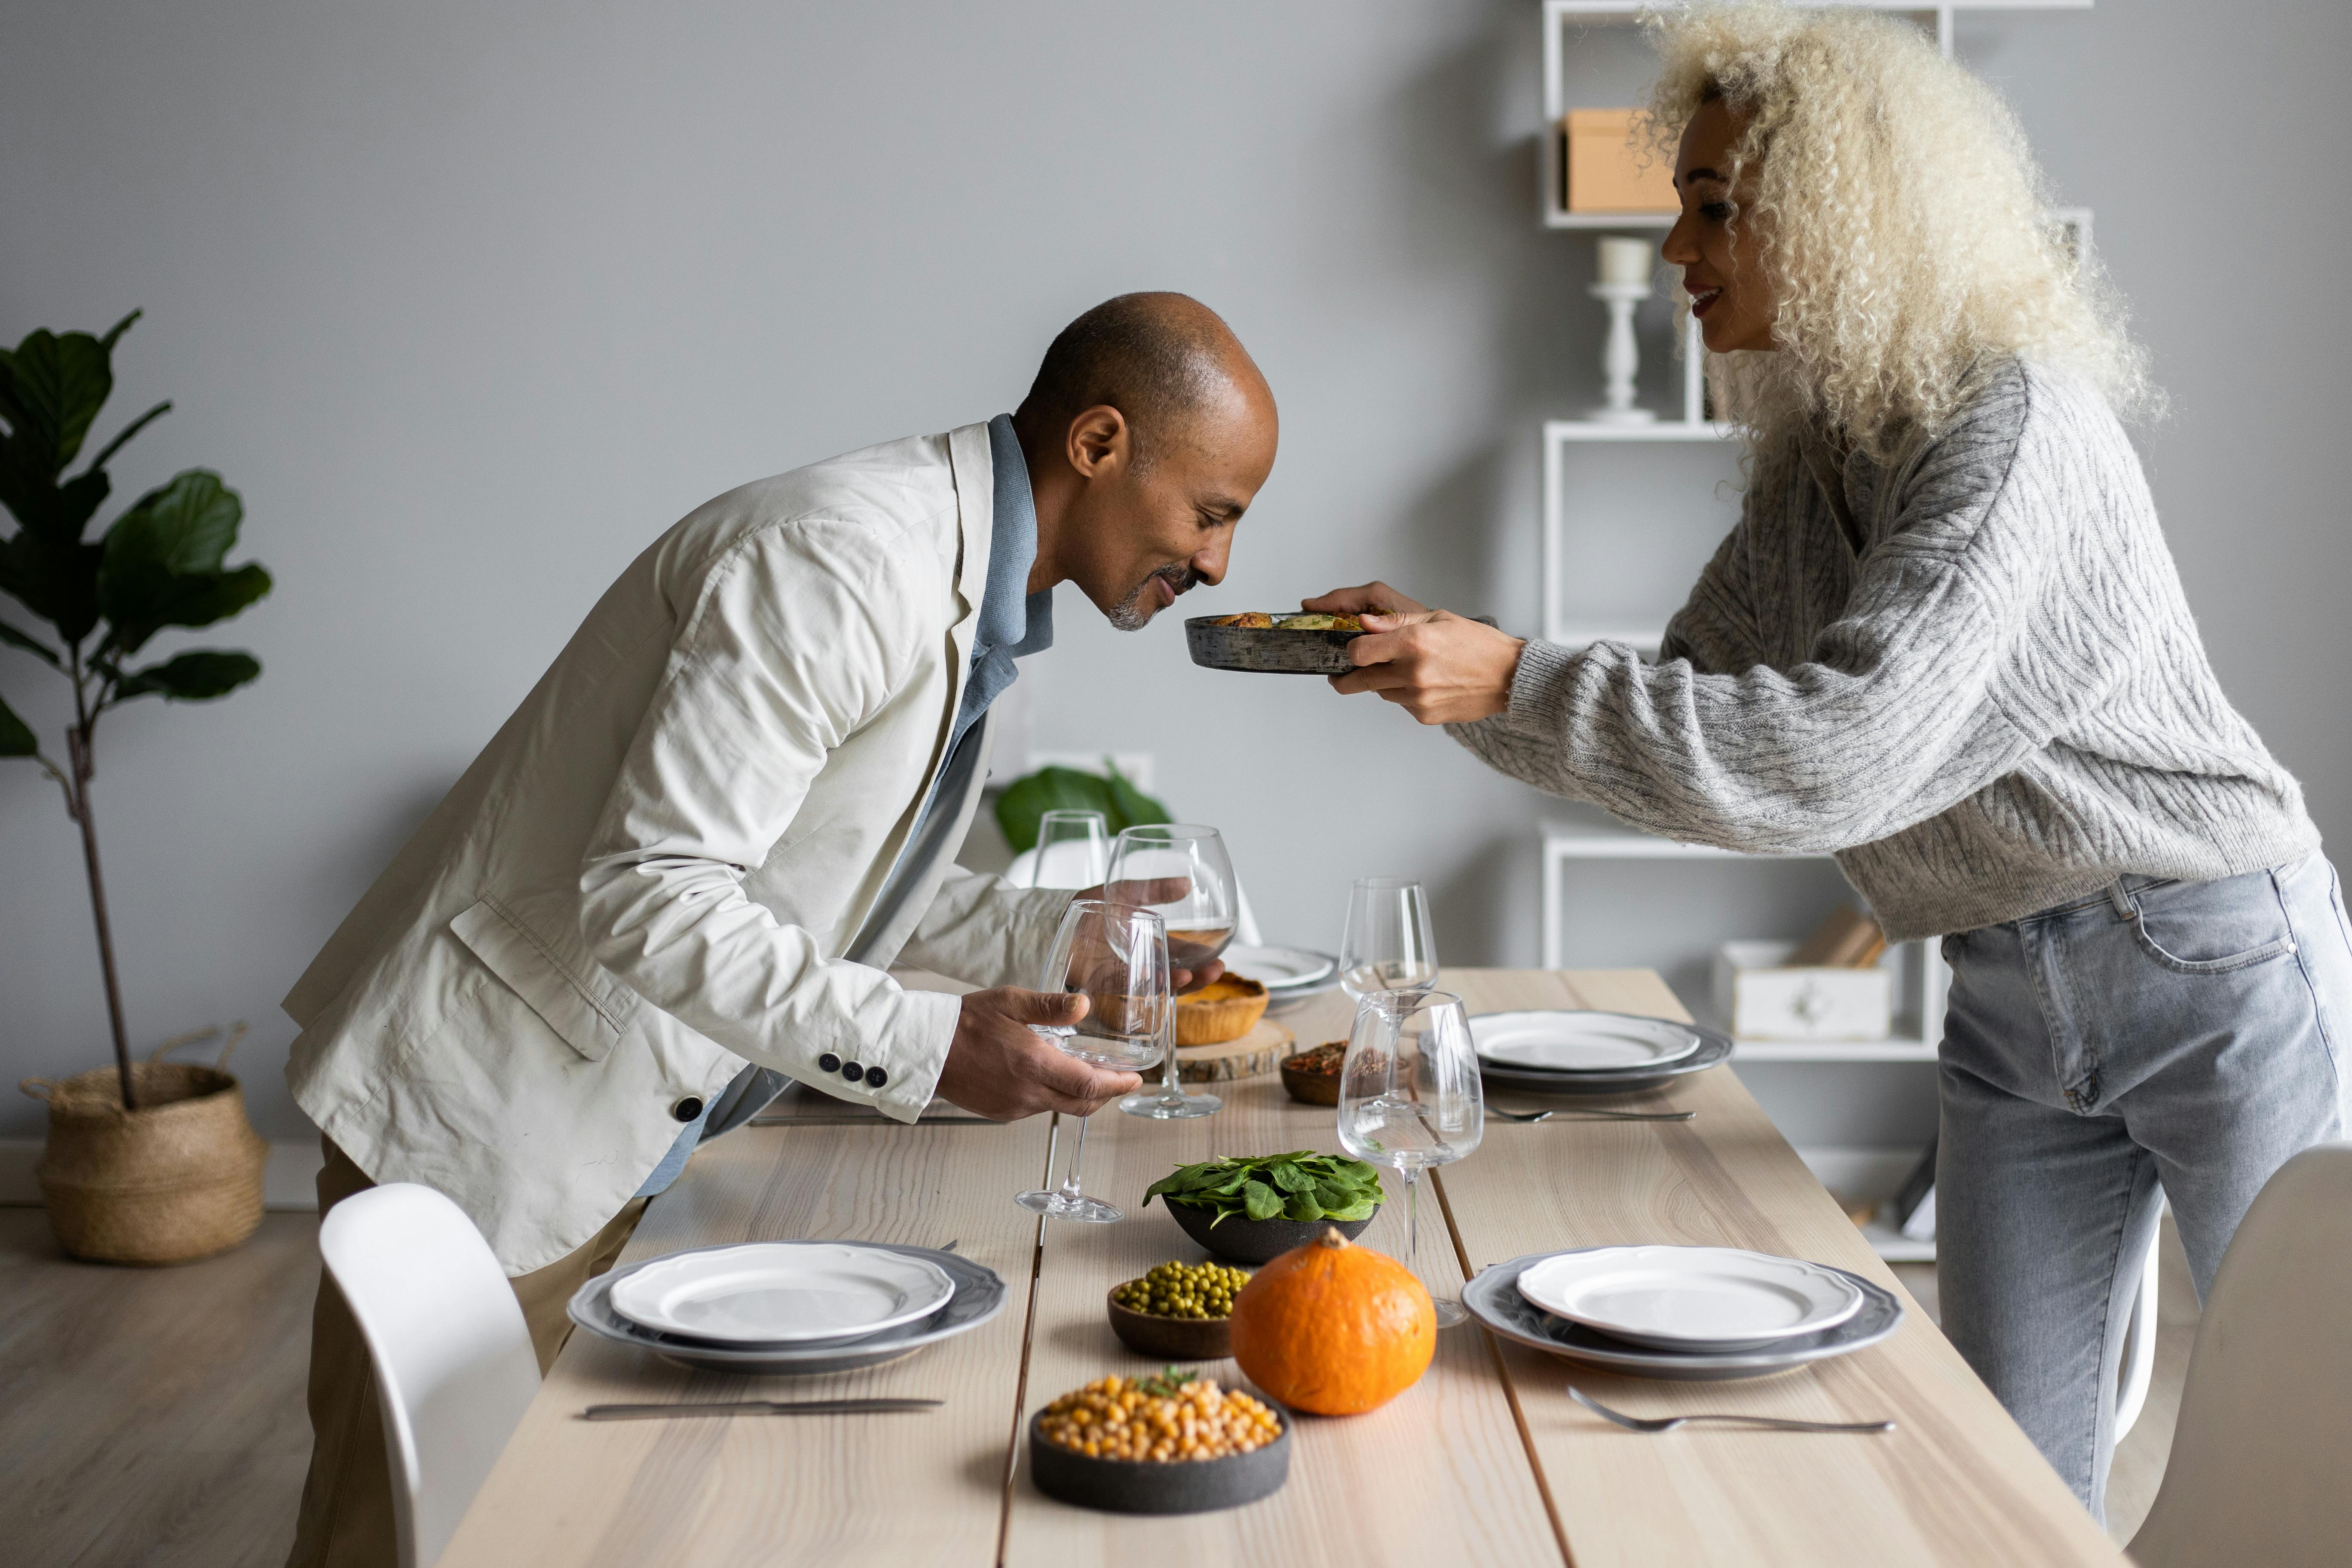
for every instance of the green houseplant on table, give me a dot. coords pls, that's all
(152, 1162)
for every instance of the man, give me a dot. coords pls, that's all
(678, 874)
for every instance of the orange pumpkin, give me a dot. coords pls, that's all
(1333, 1328)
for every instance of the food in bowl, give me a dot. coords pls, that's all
(1260, 621)
(1176, 1290)
(1170, 1417)
(1299, 1187)
(1224, 1009)
(1313, 1077)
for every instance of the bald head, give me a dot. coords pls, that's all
(1164, 361)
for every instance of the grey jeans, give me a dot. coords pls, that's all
(2181, 1034)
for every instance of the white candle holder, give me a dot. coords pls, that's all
(1621, 358)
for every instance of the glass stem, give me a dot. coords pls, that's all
(1069, 1192)
(1413, 1221)
(1172, 1088)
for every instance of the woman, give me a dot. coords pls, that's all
(1945, 641)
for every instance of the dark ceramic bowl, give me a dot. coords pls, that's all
(1267, 651)
(1244, 1240)
(1152, 1486)
(1171, 1339)
(1310, 1087)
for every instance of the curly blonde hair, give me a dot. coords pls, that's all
(1904, 221)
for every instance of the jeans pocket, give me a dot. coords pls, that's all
(2223, 965)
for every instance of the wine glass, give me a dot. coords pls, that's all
(1117, 956)
(1073, 850)
(1410, 1098)
(1388, 945)
(1182, 871)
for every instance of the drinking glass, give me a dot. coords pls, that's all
(1117, 956)
(1182, 871)
(1388, 945)
(1410, 1098)
(1073, 850)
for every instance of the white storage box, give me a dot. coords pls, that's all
(1765, 1002)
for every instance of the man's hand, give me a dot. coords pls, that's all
(999, 1068)
(1378, 598)
(1436, 666)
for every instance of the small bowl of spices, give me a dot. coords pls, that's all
(1313, 1077)
(1170, 1442)
(1180, 1311)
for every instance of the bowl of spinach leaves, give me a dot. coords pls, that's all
(1255, 1210)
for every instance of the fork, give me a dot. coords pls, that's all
(1610, 1115)
(1668, 1423)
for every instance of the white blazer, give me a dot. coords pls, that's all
(645, 879)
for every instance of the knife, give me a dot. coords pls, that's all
(758, 1407)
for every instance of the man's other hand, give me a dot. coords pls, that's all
(998, 1067)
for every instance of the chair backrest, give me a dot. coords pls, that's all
(2261, 1470)
(453, 1365)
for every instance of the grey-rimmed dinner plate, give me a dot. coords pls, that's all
(1493, 1298)
(1714, 1051)
(979, 1295)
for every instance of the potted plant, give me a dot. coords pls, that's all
(152, 1162)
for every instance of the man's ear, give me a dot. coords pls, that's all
(1099, 442)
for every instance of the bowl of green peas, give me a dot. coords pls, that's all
(1179, 1311)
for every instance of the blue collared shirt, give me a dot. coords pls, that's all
(1014, 623)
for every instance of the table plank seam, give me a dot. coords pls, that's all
(1510, 1389)
(1028, 1336)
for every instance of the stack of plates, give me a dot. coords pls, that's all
(1694, 1313)
(790, 1306)
(1563, 1052)
(1288, 974)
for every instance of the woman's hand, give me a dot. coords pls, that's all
(1436, 666)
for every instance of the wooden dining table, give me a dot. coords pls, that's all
(1485, 1460)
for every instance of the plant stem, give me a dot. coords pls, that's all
(78, 752)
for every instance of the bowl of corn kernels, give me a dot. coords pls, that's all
(1171, 1443)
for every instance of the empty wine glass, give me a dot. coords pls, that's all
(1118, 958)
(1182, 871)
(1410, 1099)
(1388, 945)
(1073, 850)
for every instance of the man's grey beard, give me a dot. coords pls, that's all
(1131, 615)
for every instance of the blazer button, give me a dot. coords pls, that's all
(852, 1071)
(875, 1077)
(687, 1109)
(828, 1063)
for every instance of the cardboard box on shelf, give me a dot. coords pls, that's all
(1604, 170)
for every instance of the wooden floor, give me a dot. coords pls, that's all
(154, 1417)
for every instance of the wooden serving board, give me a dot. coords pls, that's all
(1255, 1053)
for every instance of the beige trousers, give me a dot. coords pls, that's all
(346, 1518)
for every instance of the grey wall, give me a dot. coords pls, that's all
(471, 300)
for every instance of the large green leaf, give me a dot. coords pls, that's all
(1028, 799)
(16, 737)
(58, 513)
(32, 645)
(186, 526)
(197, 676)
(152, 602)
(56, 386)
(57, 581)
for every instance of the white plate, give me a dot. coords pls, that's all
(1715, 1299)
(1578, 1042)
(1280, 968)
(783, 1292)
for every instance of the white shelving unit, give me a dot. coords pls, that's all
(1923, 979)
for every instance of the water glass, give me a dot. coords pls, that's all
(1182, 873)
(1116, 957)
(1073, 850)
(1410, 1099)
(1389, 944)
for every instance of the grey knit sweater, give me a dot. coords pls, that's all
(1969, 670)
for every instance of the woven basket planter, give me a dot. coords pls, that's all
(175, 1180)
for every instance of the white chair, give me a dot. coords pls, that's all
(454, 1366)
(2261, 1470)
